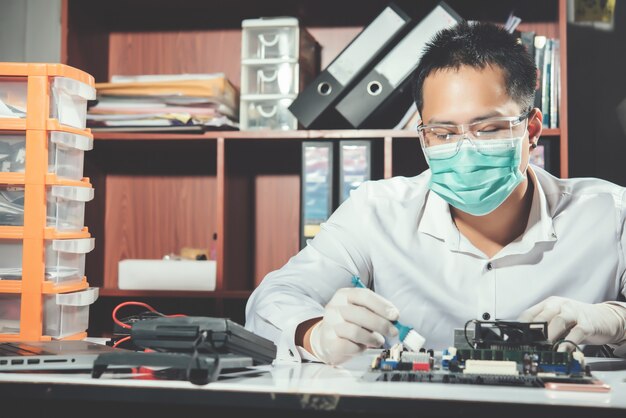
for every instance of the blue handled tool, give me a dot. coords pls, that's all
(409, 337)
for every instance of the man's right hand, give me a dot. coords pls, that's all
(354, 320)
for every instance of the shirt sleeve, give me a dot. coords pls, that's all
(620, 349)
(621, 235)
(300, 289)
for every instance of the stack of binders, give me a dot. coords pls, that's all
(43, 241)
(277, 58)
(368, 84)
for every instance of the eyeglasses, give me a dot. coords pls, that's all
(483, 130)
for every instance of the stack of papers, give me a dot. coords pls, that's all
(176, 102)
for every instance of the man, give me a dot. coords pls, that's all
(479, 235)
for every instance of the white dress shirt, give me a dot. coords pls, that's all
(399, 238)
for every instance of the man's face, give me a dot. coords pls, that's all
(466, 95)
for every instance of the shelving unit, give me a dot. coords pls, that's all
(43, 241)
(158, 192)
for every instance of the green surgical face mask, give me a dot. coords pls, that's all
(477, 178)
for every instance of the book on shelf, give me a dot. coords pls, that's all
(540, 45)
(165, 100)
(548, 88)
(317, 187)
(314, 107)
(380, 97)
(555, 73)
(355, 162)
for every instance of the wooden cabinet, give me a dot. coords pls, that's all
(158, 192)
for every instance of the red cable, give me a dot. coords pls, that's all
(120, 341)
(121, 305)
(123, 325)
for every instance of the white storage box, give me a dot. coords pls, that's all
(267, 112)
(270, 38)
(270, 78)
(66, 207)
(65, 314)
(66, 153)
(68, 99)
(64, 259)
(167, 274)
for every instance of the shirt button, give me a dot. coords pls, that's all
(486, 316)
(489, 266)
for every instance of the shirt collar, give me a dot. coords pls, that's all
(437, 222)
(540, 227)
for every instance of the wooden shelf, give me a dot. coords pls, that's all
(233, 135)
(303, 135)
(221, 294)
(551, 132)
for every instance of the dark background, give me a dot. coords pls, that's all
(596, 65)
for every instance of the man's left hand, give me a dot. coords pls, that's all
(578, 322)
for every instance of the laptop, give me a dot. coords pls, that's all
(50, 355)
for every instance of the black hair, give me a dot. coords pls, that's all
(478, 45)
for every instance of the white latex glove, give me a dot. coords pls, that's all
(354, 320)
(600, 323)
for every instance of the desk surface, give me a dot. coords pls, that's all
(306, 389)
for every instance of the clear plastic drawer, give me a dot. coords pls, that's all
(271, 41)
(12, 151)
(258, 113)
(10, 305)
(273, 78)
(66, 153)
(64, 259)
(68, 99)
(66, 314)
(66, 207)
(11, 205)
(13, 96)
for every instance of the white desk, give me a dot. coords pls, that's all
(289, 389)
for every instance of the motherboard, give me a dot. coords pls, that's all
(505, 353)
